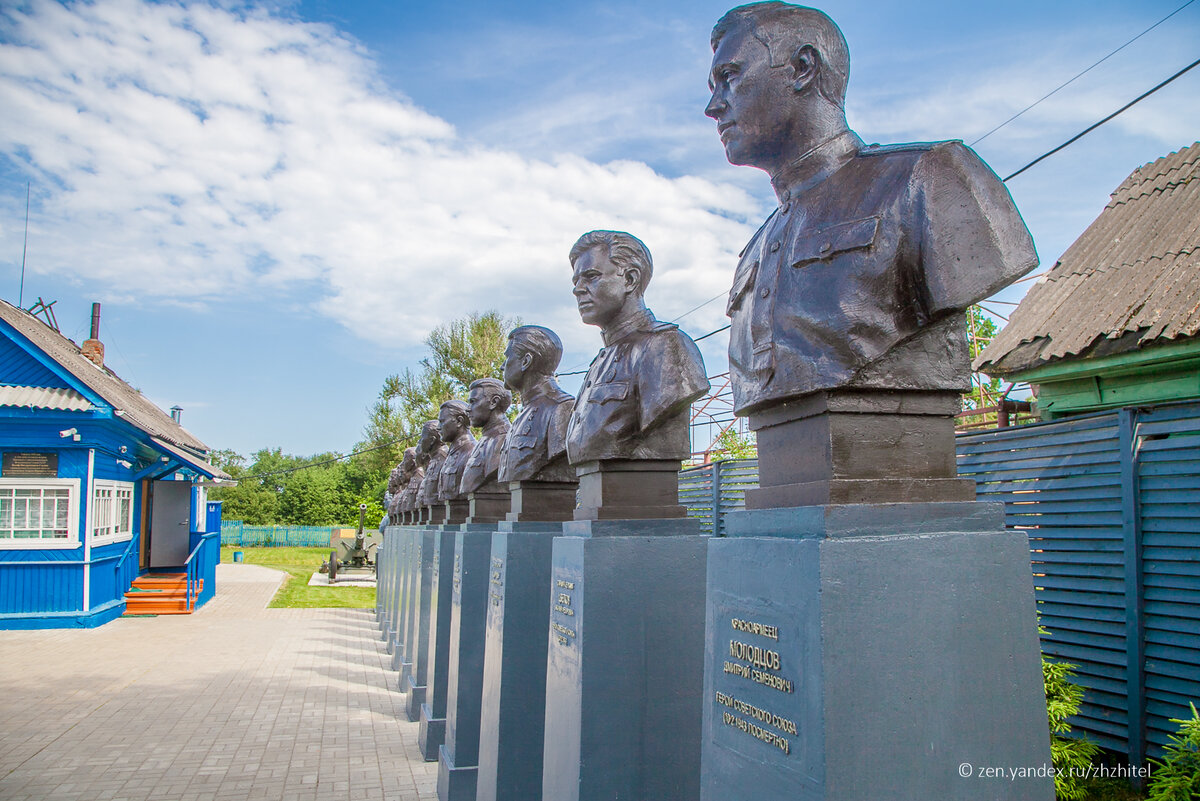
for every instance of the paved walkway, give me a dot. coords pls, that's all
(234, 703)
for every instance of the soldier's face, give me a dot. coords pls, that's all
(429, 438)
(481, 408)
(449, 426)
(514, 366)
(600, 287)
(753, 103)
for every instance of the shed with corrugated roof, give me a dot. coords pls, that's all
(99, 488)
(1116, 321)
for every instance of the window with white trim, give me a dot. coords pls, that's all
(38, 513)
(112, 511)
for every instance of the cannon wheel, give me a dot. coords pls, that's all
(333, 565)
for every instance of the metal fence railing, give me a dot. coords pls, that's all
(234, 532)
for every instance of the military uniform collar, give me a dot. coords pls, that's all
(815, 166)
(542, 389)
(640, 320)
(498, 424)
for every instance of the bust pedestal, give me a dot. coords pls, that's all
(851, 447)
(629, 489)
(872, 651)
(488, 504)
(542, 501)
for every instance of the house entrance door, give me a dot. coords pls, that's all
(170, 513)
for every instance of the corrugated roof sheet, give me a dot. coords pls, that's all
(1131, 280)
(67, 400)
(101, 380)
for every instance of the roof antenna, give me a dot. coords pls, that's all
(24, 248)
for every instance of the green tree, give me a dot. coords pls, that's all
(1177, 776)
(1070, 756)
(461, 351)
(731, 444)
(981, 330)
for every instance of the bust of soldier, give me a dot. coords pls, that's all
(394, 490)
(635, 399)
(489, 401)
(536, 448)
(860, 277)
(430, 442)
(408, 467)
(454, 421)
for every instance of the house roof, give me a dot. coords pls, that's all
(104, 382)
(1131, 280)
(66, 400)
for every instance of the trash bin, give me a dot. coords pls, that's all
(237, 556)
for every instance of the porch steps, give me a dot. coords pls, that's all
(159, 594)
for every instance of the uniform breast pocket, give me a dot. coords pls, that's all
(522, 442)
(827, 243)
(612, 392)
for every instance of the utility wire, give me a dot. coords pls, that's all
(1081, 74)
(1093, 127)
(317, 464)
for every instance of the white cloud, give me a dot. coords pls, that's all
(188, 152)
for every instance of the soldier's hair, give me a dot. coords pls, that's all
(460, 410)
(494, 388)
(542, 344)
(783, 29)
(624, 251)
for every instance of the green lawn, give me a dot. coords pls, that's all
(300, 564)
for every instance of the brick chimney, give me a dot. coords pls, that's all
(93, 348)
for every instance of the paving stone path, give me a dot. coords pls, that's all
(235, 703)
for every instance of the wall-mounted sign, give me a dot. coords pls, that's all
(29, 465)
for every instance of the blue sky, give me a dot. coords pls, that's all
(276, 202)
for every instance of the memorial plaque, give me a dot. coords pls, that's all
(29, 465)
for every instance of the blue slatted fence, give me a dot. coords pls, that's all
(712, 491)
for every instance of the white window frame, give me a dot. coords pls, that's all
(44, 543)
(114, 528)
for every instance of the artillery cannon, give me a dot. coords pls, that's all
(356, 562)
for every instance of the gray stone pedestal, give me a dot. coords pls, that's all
(409, 580)
(395, 589)
(882, 651)
(625, 664)
(432, 732)
(416, 621)
(458, 758)
(513, 718)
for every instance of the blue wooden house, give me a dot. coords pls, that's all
(102, 494)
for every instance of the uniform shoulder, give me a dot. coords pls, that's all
(658, 327)
(915, 148)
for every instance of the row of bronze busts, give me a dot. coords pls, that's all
(620, 443)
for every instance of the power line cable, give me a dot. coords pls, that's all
(1093, 127)
(1081, 74)
(317, 464)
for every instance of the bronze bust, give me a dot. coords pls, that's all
(850, 299)
(489, 401)
(408, 466)
(632, 412)
(454, 422)
(427, 493)
(489, 500)
(534, 462)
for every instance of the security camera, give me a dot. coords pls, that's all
(69, 432)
